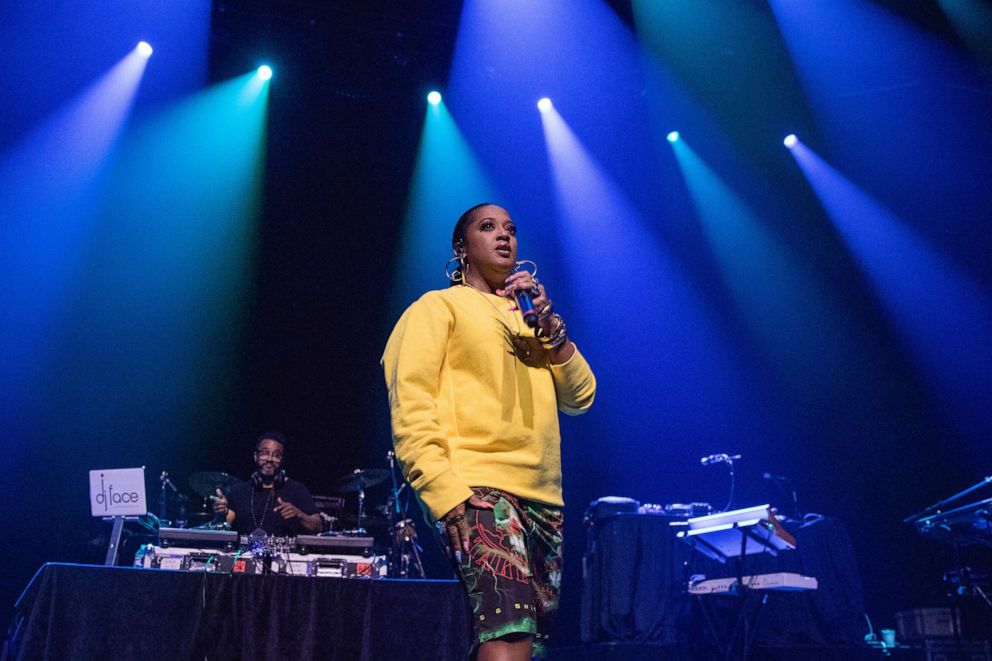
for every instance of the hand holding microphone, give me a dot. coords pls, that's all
(536, 308)
(529, 294)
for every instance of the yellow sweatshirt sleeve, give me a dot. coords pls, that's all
(575, 385)
(412, 363)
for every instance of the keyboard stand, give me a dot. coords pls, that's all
(736, 535)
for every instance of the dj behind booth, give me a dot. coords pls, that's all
(269, 524)
(269, 502)
(266, 576)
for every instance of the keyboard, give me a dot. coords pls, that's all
(786, 581)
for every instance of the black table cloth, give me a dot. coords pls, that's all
(636, 574)
(93, 612)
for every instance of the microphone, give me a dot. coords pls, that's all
(718, 459)
(773, 476)
(527, 308)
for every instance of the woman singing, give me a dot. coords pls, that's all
(474, 395)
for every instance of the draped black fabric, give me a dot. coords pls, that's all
(91, 612)
(637, 571)
(632, 590)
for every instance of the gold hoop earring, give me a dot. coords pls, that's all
(458, 274)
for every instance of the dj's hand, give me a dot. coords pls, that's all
(288, 510)
(220, 502)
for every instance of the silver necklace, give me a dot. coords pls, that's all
(258, 531)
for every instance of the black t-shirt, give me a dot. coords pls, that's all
(241, 497)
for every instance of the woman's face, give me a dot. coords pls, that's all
(491, 241)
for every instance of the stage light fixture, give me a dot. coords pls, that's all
(790, 141)
(144, 49)
(265, 72)
(544, 104)
(672, 136)
(434, 98)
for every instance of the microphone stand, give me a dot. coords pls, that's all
(163, 497)
(164, 479)
(394, 517)
(724, 458)
(395, 509)
(361, 509)
(406, 552)
(789, 492)
(795, 501)
(730, 503)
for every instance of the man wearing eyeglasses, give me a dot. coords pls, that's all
(270, 501)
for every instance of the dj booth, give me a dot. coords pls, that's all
(97, 612)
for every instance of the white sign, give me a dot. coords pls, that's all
(118, 492)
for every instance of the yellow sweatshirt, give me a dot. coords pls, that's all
(474, 400)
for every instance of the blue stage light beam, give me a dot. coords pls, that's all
(885, 62)
(943, 314)
(52, 182)
(503, 64)
(677, 342)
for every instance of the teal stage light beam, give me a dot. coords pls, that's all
(972, 19)
(167, 279)
(673, 34)
(447, 179)
(786, 310)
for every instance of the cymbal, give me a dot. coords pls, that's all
(205, 483)
(361, 479)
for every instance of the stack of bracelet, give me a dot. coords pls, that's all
(559, 333)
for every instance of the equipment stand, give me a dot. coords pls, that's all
(405, 553)
(733, 535)
(941, 504)
(361, 509)
(115, 540)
